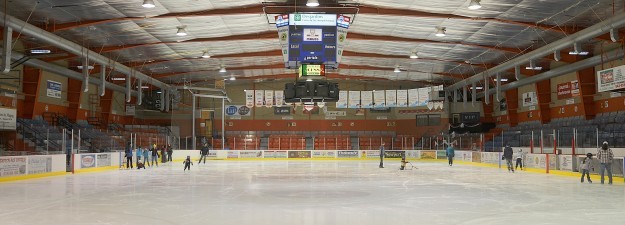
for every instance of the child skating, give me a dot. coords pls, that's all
(187, 163)
(586, 167)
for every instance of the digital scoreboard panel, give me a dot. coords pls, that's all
(312, 39)
(312, 44)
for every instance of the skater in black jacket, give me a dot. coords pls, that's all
(187, 163)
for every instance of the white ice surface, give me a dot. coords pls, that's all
(310, 192)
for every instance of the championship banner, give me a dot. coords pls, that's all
(279, 95)
(366, 99)
(354, 99)
(260, 98)
(391, 98)
(249, 98)
(529, 99)
(413, 97)
(342, 24)
(611, 79)
(269, 98)
(424, 96)
(402, 98)
(282, 23)
(379, 98)
(341, 103)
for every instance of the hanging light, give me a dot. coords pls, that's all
(479, 88)
(577, 50)
(312, 3)
(222, 69)
(148, 4)
(533, 66)
(181, 31)
(90, 67)
(475, 5)
(440, 31)
(233, 78)
(502, 79)
(397, 70)
(205, 55)
(309, 79)
(414, 55)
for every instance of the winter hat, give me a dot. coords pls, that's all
(589, 154)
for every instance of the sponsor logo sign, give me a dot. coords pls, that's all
(250, 154)
(39, 164)
(299, 154)
(323, 154)
(276, 154)
(12, 166)
(54, 89)
(347, 154)
(87, 161)
(105, 160)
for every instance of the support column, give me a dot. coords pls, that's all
(512, 98)
(74, 94)
(106, 104)
(31, 83)
(587, 90)
(543, 90)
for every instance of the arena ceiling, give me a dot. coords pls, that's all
(241, 36)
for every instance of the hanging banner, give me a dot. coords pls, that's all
(269, 98)
(260, 98)
(379, 99)
(402, 98)
(342, 102)
(413, 97)
(342, 24)
(568, 90)
(391, 98)
(529, 99)
(282, 23)
(354, 99)
(249, 98)
(424, 96)
(366, 99)
(279, 95)
(611, 79)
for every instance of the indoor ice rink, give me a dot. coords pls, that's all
(312, 112)
(311, 192)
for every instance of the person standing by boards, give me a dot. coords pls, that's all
(170, 151)
(605, 157)
(382, 155)
(203, 153)
(507, 155)
(129, 156)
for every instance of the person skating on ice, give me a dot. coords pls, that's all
(129, 156)
(170, 151)
(154, 155)
(146, 156)
(187, 163)
(519, 159)
(450, 153)
(586, 167)
(139, 154)
(605, 157)
(507, 155)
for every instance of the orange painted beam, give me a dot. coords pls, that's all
(587, 91)
(512, 99)
(543, 92)
(30, 88)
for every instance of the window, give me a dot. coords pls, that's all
(429, 120)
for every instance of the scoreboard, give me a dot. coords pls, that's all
(312, 38)
(312, 44)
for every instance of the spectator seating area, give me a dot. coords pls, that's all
(332, 142)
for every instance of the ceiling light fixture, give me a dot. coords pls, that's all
(40, 51)
(308, 79)
(479, 88)
(222, 69)
(397, 70)
(118, 78)
(205, 55)
(312, 3)
(475, 5)
(440, 31)
(414, 55)
(233, 78)
(533, 66)
(502, 79)
(181, 31)
(577, 50)
(88, 67)
(148, 4)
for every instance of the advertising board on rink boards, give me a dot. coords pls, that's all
(327, 154)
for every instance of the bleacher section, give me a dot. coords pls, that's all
(287, 142)
(332, 142)
(374, 142)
